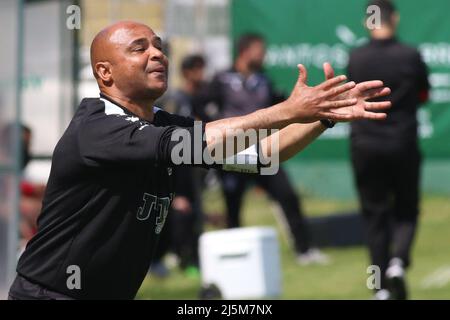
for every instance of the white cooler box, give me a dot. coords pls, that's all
(241, 262)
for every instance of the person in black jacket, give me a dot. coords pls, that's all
(186, 219)
(385, 156)
(243, 89)
(111, 181)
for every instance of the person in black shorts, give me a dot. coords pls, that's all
(110, 184)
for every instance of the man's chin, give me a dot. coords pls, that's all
(156, 92)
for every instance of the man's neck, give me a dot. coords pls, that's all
(383, 33)
(241, 66)
(143, 108)
(190, 87)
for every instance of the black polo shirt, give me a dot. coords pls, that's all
(107, 198)
(106, 202)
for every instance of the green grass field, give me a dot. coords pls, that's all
(345, 277)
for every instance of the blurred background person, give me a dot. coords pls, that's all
(186, 218)
(32, 192)
(243, 89)
(193, 98)
(385, 156)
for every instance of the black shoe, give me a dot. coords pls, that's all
(397, 287)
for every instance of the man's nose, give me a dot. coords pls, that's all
(156, 54)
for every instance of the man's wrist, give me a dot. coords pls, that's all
(327, 123)
(280, 115)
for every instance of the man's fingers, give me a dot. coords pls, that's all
(331, 82)
(339, 90)
(374, 106)
(368, 85)
(373, 116)
(340, 103)
(376, 93)
(328, 71)
(338, 116)
(302, 75)
(343, 117)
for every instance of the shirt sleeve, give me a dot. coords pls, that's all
(126, 141)
(118, 140)
(422, 72)
(246, 161)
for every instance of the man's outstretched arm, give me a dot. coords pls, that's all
(298, 116)
(305, 104)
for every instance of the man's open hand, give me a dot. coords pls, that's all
(309, 104)
(362, 92)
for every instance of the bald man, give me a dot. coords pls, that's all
(110, 185)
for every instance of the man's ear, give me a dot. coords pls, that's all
(103, 71)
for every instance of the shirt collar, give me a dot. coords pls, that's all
(128, 112)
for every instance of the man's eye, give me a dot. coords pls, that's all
(138, 49)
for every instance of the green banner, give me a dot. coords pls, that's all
(314, 31)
